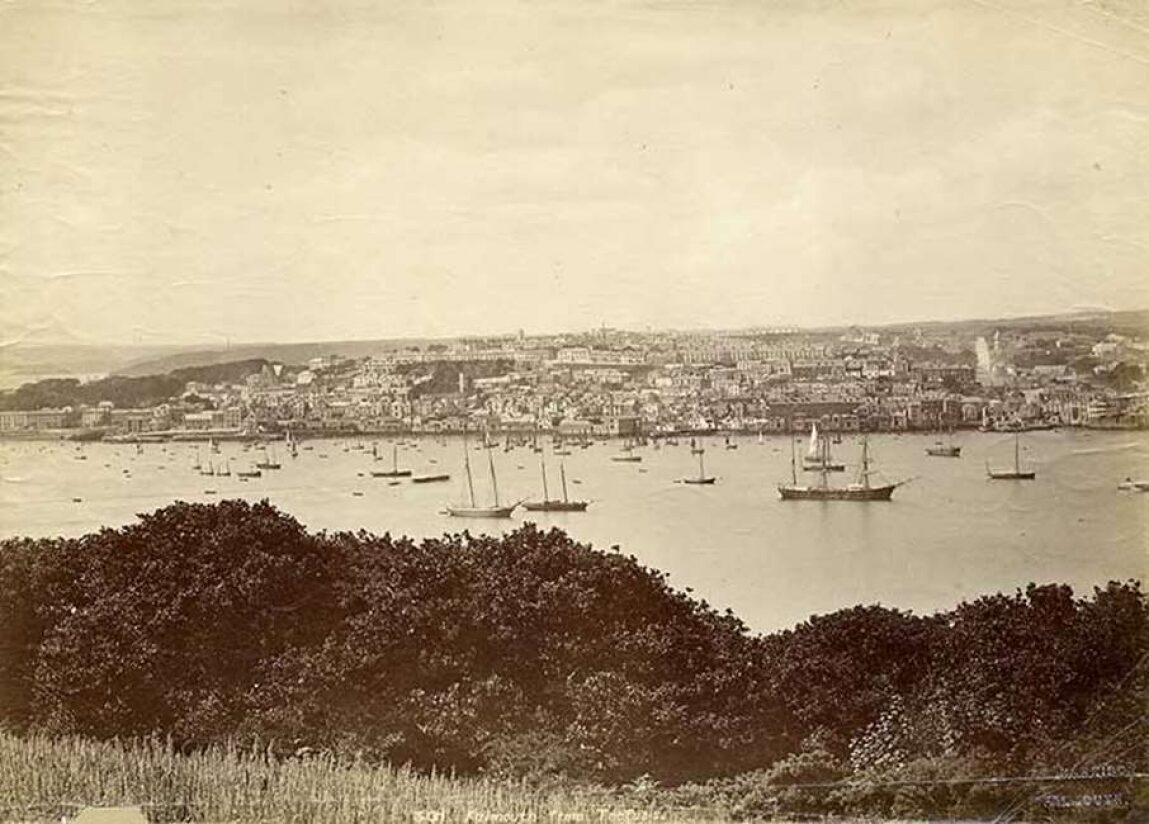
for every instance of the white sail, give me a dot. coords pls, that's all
(812, 450)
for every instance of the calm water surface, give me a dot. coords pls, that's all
(949, 534)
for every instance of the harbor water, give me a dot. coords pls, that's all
(949, 534)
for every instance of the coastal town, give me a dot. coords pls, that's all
(610, 382)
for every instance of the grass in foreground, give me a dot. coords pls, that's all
(46, 779)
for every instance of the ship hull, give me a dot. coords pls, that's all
(430, 479)
(1012, 476)
(817, 493)
(627, 458)
(480, 511)
(556, 506)
(944, 452)
(699, 481)
(392, 473)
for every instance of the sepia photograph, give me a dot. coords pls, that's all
(574, 411)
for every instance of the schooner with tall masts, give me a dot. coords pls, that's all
(546, 504)
(471, 509)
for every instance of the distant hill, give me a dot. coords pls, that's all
(23, 363)
(288, 353)
(123, 391)
(1133, 322)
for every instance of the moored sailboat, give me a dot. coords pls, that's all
(944, 450)
(1015, 474)
(626, 454)
(546, 504)
(394, 471)
(268, 462)
(818, 457)
(472, 509)
(702, 477)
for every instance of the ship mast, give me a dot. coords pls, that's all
(824, 456)
(793, 462)
(467, 467)
(494, 482)
(1016, 454)
(543, 466)
(865, 479)
(563, 475)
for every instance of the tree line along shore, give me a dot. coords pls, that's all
(548, 666)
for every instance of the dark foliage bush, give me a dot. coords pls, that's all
(534, 655)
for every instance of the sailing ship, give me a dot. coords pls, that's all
(394, 471)
(860, 490)
(546, 504)
(702, 478)
(626, 454)
(268, 462)
(730, 444)
(818, 457)
(473, 510)
(944, 450)
(1015, 474)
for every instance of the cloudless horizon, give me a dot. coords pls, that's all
(192, 173)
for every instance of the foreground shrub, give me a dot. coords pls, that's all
(534, 655)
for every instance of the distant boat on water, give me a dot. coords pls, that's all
(546, 504)
(268, 462)
(944, 450)
(626, 455)
(1015, 474)
(860, 490)
(1130, 485)
(430, 479)
(818, 457)
(394, 471)
(702, 477)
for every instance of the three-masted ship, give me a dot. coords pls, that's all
(860, 490)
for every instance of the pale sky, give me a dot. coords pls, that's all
(286, 171)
